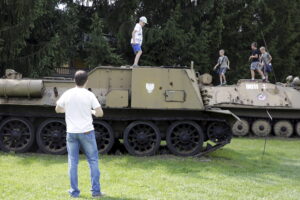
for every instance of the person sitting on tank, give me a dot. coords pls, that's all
(137, 39)
(223, 63)
(254, 58)
(265, 62)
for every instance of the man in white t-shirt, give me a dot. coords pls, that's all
(79, 104)
(137, 40)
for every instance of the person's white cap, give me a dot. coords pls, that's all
(143, 19)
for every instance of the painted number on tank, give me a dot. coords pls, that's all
(150, 87)
(252, 86)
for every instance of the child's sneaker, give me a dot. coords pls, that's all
(134, 66)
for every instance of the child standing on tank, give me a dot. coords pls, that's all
(137, 40)
(223, 62)
(254, 58)
(265, 62)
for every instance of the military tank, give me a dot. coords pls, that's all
(264, 108)
(143, 107)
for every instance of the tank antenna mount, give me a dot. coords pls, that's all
(265, 144)
(192, 64)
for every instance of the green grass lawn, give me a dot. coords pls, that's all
(235, 172)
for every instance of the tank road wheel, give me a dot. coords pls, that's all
(104, 136)
(261, 128)
(142, 138)
(298, 128)
(218, 132)
(16, 134)
(240, 128)
(185, 138)
(51, 136)
(283, 128)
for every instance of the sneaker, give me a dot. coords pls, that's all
(98, 196)
(224, 83)
(133, 66)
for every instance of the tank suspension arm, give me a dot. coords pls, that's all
(271, 118)
(210, 148)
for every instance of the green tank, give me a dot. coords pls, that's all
(142, 107)
(264, 108)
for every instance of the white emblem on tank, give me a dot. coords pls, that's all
(262, 97)
(150, 87)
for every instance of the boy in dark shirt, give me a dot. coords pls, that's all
(254, 58)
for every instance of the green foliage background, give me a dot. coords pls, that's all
(35, 36)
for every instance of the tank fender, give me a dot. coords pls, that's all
(224, 114)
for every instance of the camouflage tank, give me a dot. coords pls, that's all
(142, 107)
(264, 108)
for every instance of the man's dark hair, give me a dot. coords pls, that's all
(80, 77)
(254, 44)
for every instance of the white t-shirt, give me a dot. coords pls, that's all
(78, 104)
(138, 34)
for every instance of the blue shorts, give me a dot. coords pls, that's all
(136, 48)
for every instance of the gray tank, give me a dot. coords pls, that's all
(142, 107)
(264, 108)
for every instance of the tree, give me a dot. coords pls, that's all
(16, 22)
(97, 48)
(283, 37)
(36, 36)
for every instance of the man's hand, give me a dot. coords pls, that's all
(98, 112)
(59, 109)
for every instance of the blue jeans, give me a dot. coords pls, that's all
(89, 146)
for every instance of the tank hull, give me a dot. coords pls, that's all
(266, 109)
(142, 106)
(265, 113)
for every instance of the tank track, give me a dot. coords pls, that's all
(142, 135)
